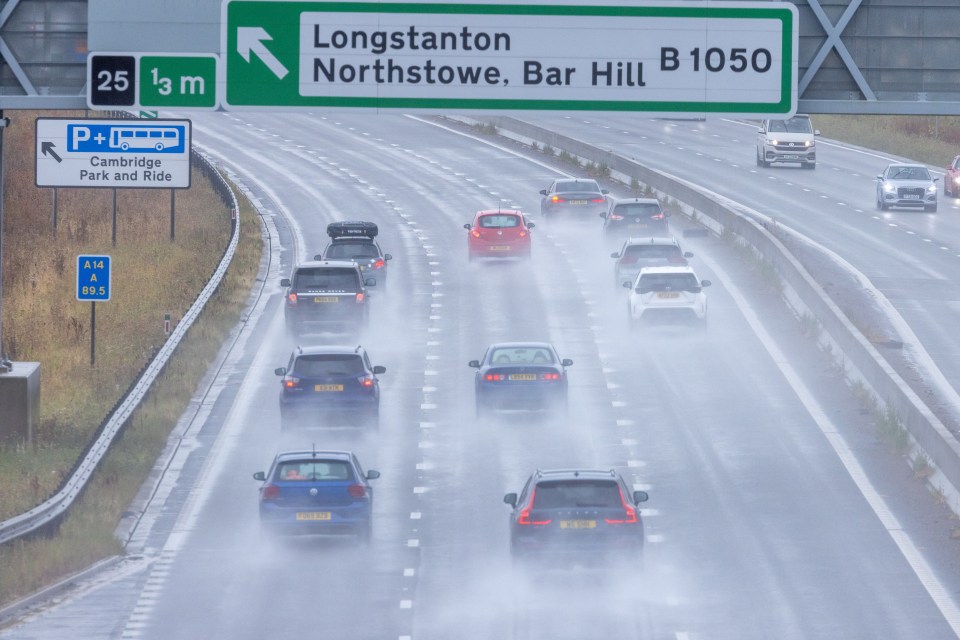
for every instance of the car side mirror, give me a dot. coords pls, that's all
(602, 214)
(705, 283)
(880, 177)
(280, 371)
(687, 254)
(760, 130)
(372, 474)
(474, 363)
(627, 284)
(370, 282)
(604, 191)
(319, 256)
(567, 362)
(379, 369)
(816, 132)
(387, 256)
(615, 254)
(510, 499)
(543, 192)
(937, 179)
(260, 475)
(285, 282)
(640, 496)
(531, 225)
(468, 226)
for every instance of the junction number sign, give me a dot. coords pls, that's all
(718, 57)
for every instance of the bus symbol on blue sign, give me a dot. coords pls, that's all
(93, 278)
(126, 138)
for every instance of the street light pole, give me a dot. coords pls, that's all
(5, 364)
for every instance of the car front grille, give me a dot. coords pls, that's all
(903, 192)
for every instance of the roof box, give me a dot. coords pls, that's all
(352, 229)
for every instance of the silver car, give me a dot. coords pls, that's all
(906, 185)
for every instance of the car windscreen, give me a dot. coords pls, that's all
(521, 355)
(578, 185)
(499, 221)
(908, 173)
(637, 209)
(793, 125)
(314, 470)
(668, 282)
(565, 494)
(332, 365)
(333, 279)
(351, 251)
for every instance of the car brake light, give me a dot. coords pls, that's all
(378, 264)
(291, 299)
(475, 233)
(360, 298)
(494, 377)
(614, 216)
(599, 200)
(524, 518)
(523, 234)
(366, 381)
(270, 492)
(357, 491)
(658, 216)
(630, 514)
(289, 382)
(556, 199)
(550, 376)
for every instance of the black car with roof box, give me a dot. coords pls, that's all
(355, 240)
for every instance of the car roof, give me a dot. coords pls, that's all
(576, 474)
(670, 269)
(629, 242)
(514, 345)
(313, 264)
(328, 454)
(489, 212)
(636, 200)
(319, 349)
(907, 164)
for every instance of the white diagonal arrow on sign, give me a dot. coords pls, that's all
(250, 39)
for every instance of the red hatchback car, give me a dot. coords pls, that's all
(951, 181)
(498, 234)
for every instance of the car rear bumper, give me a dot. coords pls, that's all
(535, 397)
(346, 520)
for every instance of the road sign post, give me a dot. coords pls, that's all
(714, 58)
(93, 285)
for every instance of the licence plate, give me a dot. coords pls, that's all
(313, 515)
(328, 387)
(522, 376)
(668, 294)
(578, 524)
(500, 247)
(911, 196)
(578, 202)
(325, 299)
(634, 225)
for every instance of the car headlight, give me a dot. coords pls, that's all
(808, 143)
(774, 142)
(956, 180)
(932, 188)
(888, 187)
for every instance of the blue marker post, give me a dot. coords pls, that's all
(93, 284)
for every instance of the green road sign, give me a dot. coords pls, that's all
(737, 58)
(152, 80)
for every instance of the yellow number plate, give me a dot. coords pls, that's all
(326, 299)
(578, 524)
(328, 387)
(522, 376)
(668, 294)
(313, 515)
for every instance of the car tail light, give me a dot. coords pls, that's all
(522, 234)
(290, 382)
(494, 377)
(379, 264)
(292, 299)
(630, 513)
(475, 233)
(658, 216)
(556, 199)
(360, 297)
(616, 216)
(357, 491)
(270, 492)
(366, 381)
(598, 200)
(524, 517)
(550, 376)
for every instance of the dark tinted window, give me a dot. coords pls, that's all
(669, 282)
(314, 470)
(653, 252)
(578, 185)
(908, 173)
(522, 355)
(333, 279)
(637, 209)
(559, 494)
(793, 125)
(313, 366)
(351, 251)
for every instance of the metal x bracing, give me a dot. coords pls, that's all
(5, 52)
(833, 41)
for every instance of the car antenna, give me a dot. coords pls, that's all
(314, 445)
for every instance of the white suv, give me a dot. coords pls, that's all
(667, 292)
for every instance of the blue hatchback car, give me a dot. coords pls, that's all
(316, 492)
(324, 379)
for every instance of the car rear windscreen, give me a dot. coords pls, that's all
(314, 470)
(333, 279)
(499, 222)
(332, 365)
(668, 282)
(562, 494)
(351, 251)
(521, 355)
(637, 209)
(578, 185)
(653, 252)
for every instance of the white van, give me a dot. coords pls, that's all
(790, 140)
